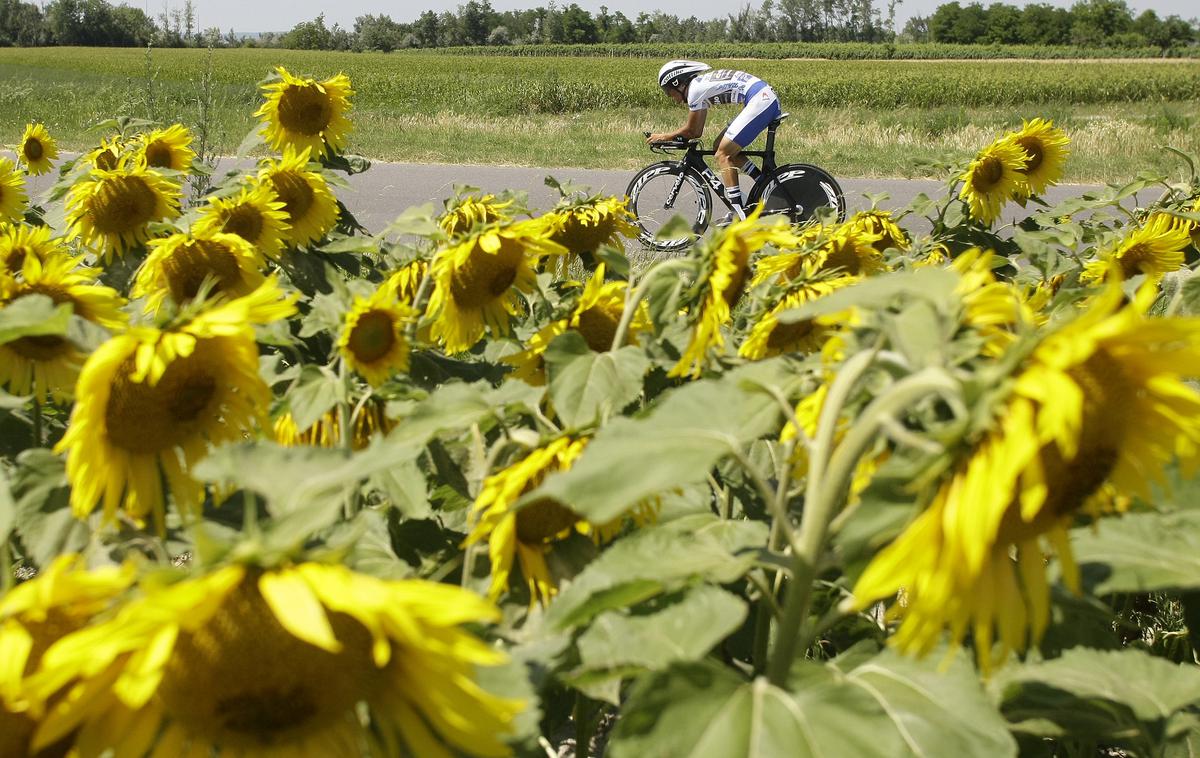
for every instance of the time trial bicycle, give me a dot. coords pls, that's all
(685, 187)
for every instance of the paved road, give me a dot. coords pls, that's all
(379, 195)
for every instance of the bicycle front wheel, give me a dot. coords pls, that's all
(661, 192)
(797, 190)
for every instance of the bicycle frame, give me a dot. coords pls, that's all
(694, 159)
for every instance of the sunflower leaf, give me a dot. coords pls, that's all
(318, 480)
(935, 285)
(1120, 696)
(587, 386)
(314, 393)
(33, 315)
(885, 707)
(1140, 552)
(684, 631)
(658, 559)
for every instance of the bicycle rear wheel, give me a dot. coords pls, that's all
(797, 190)
(663, 191)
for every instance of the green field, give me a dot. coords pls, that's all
(860, 118)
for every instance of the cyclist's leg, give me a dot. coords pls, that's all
(761, 108)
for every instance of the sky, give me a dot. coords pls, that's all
(281, 15)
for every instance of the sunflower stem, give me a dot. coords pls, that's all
(826, 499)
(37, 422)
(418, 304)
(346, 415)
(583, 726)
(633, 297)
(8, 578)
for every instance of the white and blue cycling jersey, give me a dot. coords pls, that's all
(726, 86)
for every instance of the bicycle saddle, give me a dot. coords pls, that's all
(778, 121)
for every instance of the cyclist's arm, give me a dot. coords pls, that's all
(691, 130)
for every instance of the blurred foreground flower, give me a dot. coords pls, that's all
(1099, 408)
(307, 659)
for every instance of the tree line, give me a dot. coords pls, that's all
(1087, 23)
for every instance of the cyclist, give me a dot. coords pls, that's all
(699, 86)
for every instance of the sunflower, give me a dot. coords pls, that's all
(1098, 409)
(255, 214)
(849, 249)
(373, 340)
(990, 307)
(406, 281)
(1046, 148)
(586, 225)
(150, 403)
(112, 210)
(309, 206)
(596, 316)
(109, 155)
(306, 114)
(996, 176)
(725, 274)
(168, 148)
(931, 254)
(808, 414)
(47, 365)
(1154, 249)
(35, 614)
(527, 533)
(38, 150)
(529, 365)
(478, 280)
(302, 659)
(179, 265)
(369, 419)
(12, 192)
(464, 213)
(879, 223)
(770, 337)
(19, 241)
(599, 312)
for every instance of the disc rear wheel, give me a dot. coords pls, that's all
(797, 190)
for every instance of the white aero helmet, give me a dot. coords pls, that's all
(676, 73)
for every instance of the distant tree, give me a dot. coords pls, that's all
(916, 29)
(1097, 22)
(620, 30)
(449, 32)
(475, 21)
(579, 28)
(764, 27)
(944, 22)
(21, 24)
(308, 35)
(1003, 24)
(1043, 24)
(132, 27)
(377, 33)
(499, 36)
(426, 29)
(1163, 33)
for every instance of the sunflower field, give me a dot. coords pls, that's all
(479, 484)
